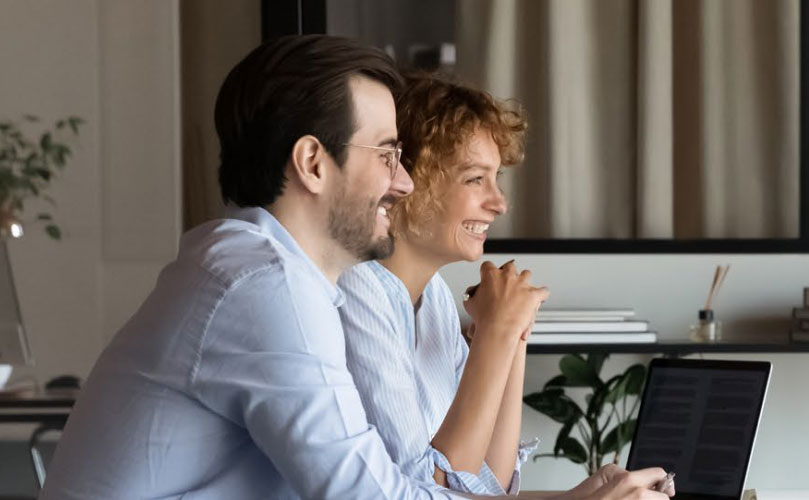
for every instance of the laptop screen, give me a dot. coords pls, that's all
(698, 418)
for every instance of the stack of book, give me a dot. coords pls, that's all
(590, 326)
(800, 325)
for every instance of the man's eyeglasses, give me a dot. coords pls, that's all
(391, 156)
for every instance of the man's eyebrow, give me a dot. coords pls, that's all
(390, 141)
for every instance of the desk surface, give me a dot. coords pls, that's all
(37, 399)
(36, 407)
(681, 347)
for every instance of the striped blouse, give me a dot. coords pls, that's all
(406, 365)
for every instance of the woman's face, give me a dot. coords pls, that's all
(471, 199)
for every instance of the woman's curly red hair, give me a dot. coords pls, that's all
(434, 116)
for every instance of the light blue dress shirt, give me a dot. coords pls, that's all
(230, 382)
(407, 364)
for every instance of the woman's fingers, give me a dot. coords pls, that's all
(542, 293)
(504, 302)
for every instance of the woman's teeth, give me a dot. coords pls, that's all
(382, 211)
(477, 228)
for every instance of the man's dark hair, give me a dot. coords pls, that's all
(283, 90)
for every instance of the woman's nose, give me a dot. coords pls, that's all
(497, 202)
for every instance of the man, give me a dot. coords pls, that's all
(230, 382)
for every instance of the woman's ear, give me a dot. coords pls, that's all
(308, 163)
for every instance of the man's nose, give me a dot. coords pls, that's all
(402, 184)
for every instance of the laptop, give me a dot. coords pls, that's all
(698, 418)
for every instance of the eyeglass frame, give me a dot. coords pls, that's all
(396, 151)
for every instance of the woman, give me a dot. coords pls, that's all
(448, 412)
(445, 411)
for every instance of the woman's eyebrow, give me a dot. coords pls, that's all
(471, 166)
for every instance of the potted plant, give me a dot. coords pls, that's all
(27, 167)
(607, 423)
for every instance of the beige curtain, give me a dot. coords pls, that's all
(648, 118)
(215, 35)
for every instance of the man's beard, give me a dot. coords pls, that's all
(352, 223)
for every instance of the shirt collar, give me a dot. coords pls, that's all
(271, 227)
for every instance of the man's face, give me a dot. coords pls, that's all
(358, 218)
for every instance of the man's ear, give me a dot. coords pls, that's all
(308, 163)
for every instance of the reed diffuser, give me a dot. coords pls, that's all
(708, 329)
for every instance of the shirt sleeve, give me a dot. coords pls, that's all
(379, 358)
(272, 361)
(524, 451)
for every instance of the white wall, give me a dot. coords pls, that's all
(757, 297)
(115, 64)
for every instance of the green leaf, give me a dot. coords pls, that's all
(74, 122)
(578, 372)
(44, 216)
(595, 404)
(557, 381)
(571, 449)
(45, 141)
(631, 382)
(26, 183)
(554, 404)
(53, 231)
(30, 118)
(59, 158)
(636, 376)
(617, 388)
(612, 443)
(596, 360)
(564, 433)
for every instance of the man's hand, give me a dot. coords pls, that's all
(612, 483)
(609, 483)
